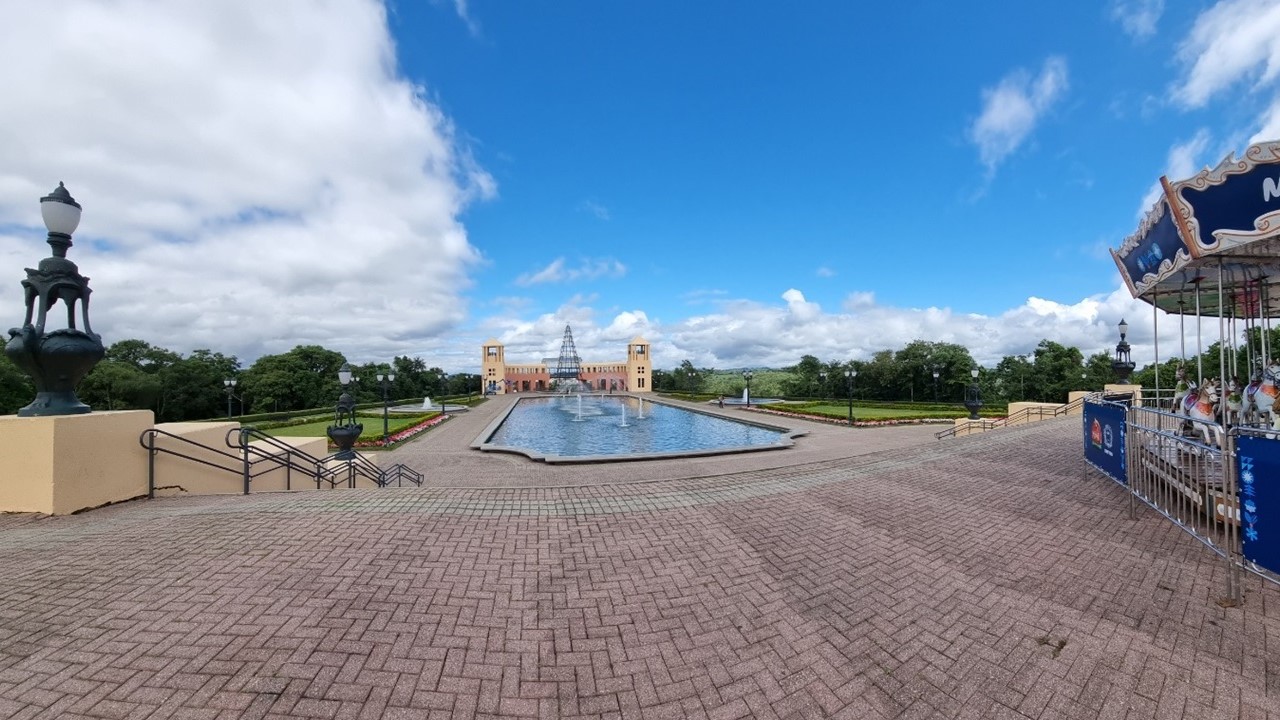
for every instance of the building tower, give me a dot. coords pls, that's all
(569, 365)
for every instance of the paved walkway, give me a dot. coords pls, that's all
(981, 577)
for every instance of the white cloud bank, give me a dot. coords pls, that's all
(253, 175)
(750, 334)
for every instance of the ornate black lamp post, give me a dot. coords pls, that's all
(935, 384)
(822, 384)
(973, 396)
(746, 376)
(385, 381)
(849, 376)
(230, 386)
(345, 435)
(57, 361)
(1123, 364)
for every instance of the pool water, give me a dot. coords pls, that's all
(613, 427)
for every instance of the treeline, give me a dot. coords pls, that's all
(136, 375)
(1046, 375)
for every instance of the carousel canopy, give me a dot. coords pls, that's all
(1212, 241)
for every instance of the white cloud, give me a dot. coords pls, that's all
(801, 310)
(825, 272)
(1184, 160)
(1011, 110)
(599, 211)
(253, 176)
(1138, 17)
(859, 301)
(1233, 41)
(464, 13)
(559, 271)
(748, 334)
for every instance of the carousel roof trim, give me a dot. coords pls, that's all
(1217, 230)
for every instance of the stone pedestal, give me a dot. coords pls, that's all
(64, 463)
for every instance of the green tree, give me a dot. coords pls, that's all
(117, 385)
(305, 377)
(914, 365)
(16, 389)
(193, 387)
(1058, 370)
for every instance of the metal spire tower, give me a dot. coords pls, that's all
(569, 365)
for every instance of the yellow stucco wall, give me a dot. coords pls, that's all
(58, 465)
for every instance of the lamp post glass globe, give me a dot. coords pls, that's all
(60, 212)
(344, 374)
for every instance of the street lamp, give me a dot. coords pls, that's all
(385, 381)
(693, 382)
(822, 384)
(344, 435)
(747, 375)
(935, 384)
(58, 360)
(849, 376)
(1122, 365)
(973, 396)
(230, 386)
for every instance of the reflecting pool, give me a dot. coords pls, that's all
(589, 428)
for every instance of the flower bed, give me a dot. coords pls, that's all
(404, 435)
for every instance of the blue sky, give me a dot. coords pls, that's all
(740, 183)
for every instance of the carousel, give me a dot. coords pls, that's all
(1205, 450)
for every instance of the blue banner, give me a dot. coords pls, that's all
(1159, 245)
(1259, 460)
(1234, 202)
(1104, 425)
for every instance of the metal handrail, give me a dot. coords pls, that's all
(277, 455)
(148, 442)
(1014, 419)
(283, 458)
(356, 466)
(398, 473)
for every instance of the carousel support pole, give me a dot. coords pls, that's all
(1263, 308)
(1182, 330)
(1199, 333)
(1222, 342)
(1155, 326)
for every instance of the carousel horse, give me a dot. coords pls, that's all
(1234, 403)
(1183, 388)
(1260, 396)
(1201, 407)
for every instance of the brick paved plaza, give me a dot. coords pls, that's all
(863, 574)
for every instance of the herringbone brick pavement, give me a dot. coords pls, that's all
(987, 577)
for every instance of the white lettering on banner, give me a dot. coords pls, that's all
(1270, 190)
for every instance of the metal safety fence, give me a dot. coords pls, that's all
(1187, 470)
